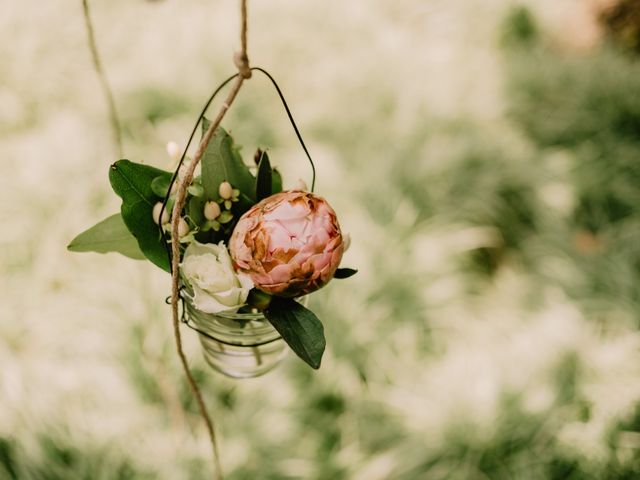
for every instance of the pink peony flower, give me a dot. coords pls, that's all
(289, 243)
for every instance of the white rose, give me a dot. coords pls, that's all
(207, 269)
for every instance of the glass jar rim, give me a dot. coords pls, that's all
(186, 292)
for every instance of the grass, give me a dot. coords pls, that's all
(488, 178)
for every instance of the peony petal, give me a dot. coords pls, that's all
(279, 238)
(260, 279)
(320, 261)
(281, 273)
(281, 256)
(295, 226)
(289, 242)
(274, 289)
(286, 211)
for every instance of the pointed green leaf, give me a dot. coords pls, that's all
(221, 162)
(299, 327)
(110, 235)
(195, 210)
(276, 181)
(345, 273)
(263, 178)
(132, 182)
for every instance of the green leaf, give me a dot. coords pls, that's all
(276, 181)
(132, 182)
(299, 327)
(220, 163)
(345, 273)
(110, 235)
(195, 210)
(258, 299)
(160, 185)
(263, 178)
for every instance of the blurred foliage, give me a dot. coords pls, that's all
(519, 28)
(621, 19)
(588, 107)
(492, 329)
(154, 104)
(58, 458)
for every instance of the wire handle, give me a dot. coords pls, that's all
(204, 111)
(293, 124)
(218, 89)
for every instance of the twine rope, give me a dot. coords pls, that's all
(242, 62)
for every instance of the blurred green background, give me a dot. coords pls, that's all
(484, 156)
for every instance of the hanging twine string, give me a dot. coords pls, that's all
(242, 63)
(102, 77)
(174, 251)
(240, 58)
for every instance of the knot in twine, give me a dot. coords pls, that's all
(241, 61)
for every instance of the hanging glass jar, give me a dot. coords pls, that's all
(239, 345)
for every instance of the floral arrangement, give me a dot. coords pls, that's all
(245, 244)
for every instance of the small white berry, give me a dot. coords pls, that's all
(225, 190)
(183, 227)
(156, 214)
(173, 149)
(211, 210)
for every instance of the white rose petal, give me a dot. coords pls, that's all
(246, 283)
(208, 270)
(207, 303)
